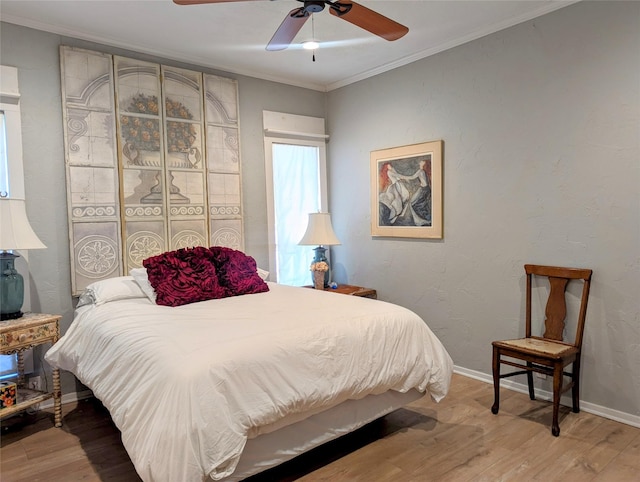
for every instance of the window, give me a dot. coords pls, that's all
(296, 186)
(11, 175)
(296, 193)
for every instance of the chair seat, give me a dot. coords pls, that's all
(536, 346)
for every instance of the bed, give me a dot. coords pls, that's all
(225, 388)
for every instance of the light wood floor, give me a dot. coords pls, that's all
(456, 440)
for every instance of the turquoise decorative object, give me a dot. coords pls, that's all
(11, 288)
(16, 234)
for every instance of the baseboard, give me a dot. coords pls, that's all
(599, 410)
(67, 398)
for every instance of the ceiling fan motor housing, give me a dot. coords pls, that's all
(313, 7)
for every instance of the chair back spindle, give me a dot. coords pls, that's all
(556, 310)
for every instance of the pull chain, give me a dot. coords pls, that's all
(313, 37)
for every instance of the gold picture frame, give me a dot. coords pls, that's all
(406, 191)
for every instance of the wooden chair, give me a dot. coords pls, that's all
(548, 354)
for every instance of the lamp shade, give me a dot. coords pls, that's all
(15, 230)
(319, 231)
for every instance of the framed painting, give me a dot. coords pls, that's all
(406, 191)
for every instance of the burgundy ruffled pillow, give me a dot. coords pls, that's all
(237, 272)
(184, 276)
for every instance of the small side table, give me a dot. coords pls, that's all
(353, 291)
(18, 335)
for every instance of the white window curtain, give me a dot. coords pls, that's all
(296, 191)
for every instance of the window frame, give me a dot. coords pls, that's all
(291, 129)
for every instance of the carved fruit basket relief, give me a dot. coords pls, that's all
(143, 137)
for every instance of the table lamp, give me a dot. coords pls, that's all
(15, 233)
(320, 232)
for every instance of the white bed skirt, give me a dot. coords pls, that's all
(271, 449)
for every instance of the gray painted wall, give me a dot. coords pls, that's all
(36, 55)
(541, 124)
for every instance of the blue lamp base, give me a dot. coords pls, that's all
(319, 256)
(11, 288)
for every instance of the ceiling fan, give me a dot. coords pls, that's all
(352, 12)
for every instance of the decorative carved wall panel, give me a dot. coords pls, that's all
(156, 170)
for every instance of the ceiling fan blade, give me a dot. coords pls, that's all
(288, 29)
(369, 20)
(200, 2)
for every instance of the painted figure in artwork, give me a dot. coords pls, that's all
(405, 199)
(394, 195)
(420, 203)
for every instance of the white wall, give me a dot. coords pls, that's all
(541, 125)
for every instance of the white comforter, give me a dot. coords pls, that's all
(188, 386)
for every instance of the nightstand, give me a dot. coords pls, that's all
(354, 291)
(17, 335)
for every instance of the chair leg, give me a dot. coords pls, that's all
(532, 394)
(496, 381)
(557, 391)
(575, 390)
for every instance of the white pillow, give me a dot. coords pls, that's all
(263, 274)
(112, 289)
(140, 275)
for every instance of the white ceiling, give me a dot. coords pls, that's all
(232, 36)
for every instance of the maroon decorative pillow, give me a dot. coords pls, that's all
(184, 276)
(237, 272)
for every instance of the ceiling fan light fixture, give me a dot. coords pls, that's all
(310, 45)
